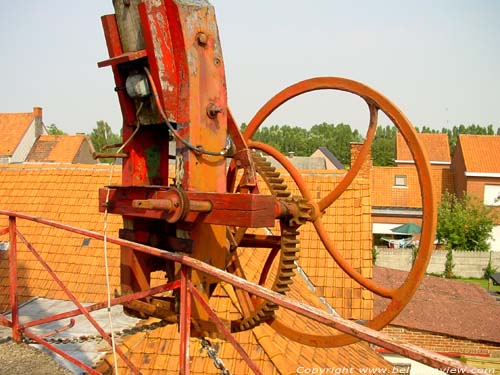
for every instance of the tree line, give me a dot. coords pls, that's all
(303, 142)
(337, 138)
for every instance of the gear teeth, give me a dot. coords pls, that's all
(289, 244)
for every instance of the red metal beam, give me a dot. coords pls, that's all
(73, 299)
(378, 338)
(103, 305)
(13, 298)
(222, 328)
(185, 321)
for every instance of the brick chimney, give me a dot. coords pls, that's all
(39, 126)
(364, 172)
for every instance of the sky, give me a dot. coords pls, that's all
(437, 60)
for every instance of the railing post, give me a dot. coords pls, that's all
(185, 321)
(14, 303)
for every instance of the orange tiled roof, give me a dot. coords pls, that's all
(13, 126)
(385, 194)
(271, 352)
(481, 153)
(56, 148)
(436, 145)
(68, 193)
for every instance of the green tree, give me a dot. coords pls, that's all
(464, 224)
(337, 138)
(102, 135)
(52, 129)
(384, 146)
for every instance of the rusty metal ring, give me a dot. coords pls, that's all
(376, 101)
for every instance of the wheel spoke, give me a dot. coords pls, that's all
(355, 168)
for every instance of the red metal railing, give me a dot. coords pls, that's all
(187, 290)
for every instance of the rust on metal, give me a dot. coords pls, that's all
(346, 326)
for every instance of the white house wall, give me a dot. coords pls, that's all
(495, 240)
(25, 145)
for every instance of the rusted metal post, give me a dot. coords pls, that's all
(222, 328)
(82, 308)
(185, 321)
(14, 300)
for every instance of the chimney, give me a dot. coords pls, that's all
(364, 172)
(39, 127)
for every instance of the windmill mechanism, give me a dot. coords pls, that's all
(214, 194)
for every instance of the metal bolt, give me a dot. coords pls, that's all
(202, 39)
(213, 110)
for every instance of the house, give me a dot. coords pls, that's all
(331, 162)
(396, 191)
(302, 162)
(19, 133)
(449, 317)
(76, 149)
(25, 139)
(476, 165)
(396, 195)
(436, 146)
(69, 193)
(321, 159)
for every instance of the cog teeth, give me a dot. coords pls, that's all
(289, 246)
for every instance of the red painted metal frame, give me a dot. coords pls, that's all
(187, 290)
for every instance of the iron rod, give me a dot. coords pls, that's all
(72, 297)
(13, 296)
(346, 326)
(185, 321)
(222, 328)
(103, 305)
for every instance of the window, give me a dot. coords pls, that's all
(400, 180)
(492, 195)
(4, 246)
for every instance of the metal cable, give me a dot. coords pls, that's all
(196, 149)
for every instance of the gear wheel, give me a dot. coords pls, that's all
(289, 243)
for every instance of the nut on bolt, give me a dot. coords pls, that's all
(213, 110)
(202, 39)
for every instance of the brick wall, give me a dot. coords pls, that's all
(441, 343)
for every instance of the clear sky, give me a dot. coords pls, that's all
(438, 60)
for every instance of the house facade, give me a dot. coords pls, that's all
(25, 140)
(19, 133)
(476, 166)
(75, 149)
(396, 191)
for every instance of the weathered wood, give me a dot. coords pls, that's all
(244, 210)
(129, 24)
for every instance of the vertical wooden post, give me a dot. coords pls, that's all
(129, 24)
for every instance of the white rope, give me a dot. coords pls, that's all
(105, 230)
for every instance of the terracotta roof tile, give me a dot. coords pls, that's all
(348, 221)
(13, 126)
(481, 153)
(436, 146)
(449, 307)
